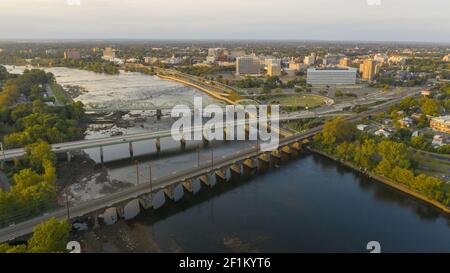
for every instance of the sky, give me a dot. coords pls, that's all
(352, 20)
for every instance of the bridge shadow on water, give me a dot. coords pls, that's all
(189, 200)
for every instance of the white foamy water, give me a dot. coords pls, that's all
(125, 90)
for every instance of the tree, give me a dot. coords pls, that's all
(396, 154)
(384, 168)
(430, 107)
(37, 153)
(419, 142)
(409, 104)
(369, 156)
(338, 131)
(50, 236)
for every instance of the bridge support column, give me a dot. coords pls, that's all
(183, 144)
(158, 145)
(174, 192)
(205, 140)
(192, 185)
(159, 199)
(285, 153)
(247, 131)
(296, 149)
(204, 179)
(69, 157)
(101, 155)
(249, 168)
(158, 114)
(236, 170)
(131, 149)
(225, 134)
(263, 162)
(275, 158)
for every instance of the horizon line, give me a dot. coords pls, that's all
(225, 40)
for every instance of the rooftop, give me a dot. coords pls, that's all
(443, 119)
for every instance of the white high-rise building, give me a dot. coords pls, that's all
(248, 65)
(331, 75)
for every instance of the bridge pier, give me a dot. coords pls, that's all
(212, 177)
(188, 185)
(158, 145)
(209, 179)
(193, 185)
(69, 157)
(158, 114)
(205, 139)
(146, 201)
(275, 158)
(247, 132)
(264, 162)
(183, 144)
(225, 174)
(174, 191)
(131, 209)
(131, 149)
(296, 149)
(101, 155)
(225, 133)
(236, 170)
(110, 216)
(249, 168)
(285, 154)
(159, 199)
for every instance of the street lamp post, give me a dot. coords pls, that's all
(198, 156)
(137, 172)
(212, 158)
(3, 154)
(67, 203)
(150, 180)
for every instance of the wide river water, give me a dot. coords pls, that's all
(312, 204)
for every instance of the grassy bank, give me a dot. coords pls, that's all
(60, 94)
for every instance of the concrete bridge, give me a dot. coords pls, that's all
(153, 194)
(68, 147)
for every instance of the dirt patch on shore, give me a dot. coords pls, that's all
(121, 237)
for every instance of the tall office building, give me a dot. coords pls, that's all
(274, 69)
(331, 75)
(248, 65)
(344, 61)
(308, 60)
(369, 70)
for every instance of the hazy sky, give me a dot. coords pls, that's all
(393, 20)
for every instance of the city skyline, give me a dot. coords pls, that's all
(350, 20)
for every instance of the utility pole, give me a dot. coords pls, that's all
(137, 172)
(3, 154)
(198, 156)
(212, 158)
(67, 203)
(150, 178)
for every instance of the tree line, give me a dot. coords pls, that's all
(384, 157)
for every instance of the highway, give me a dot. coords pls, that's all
(26, 227)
